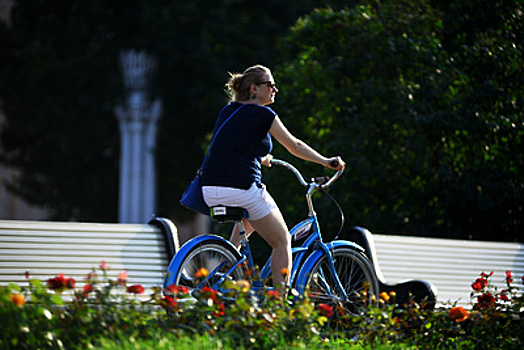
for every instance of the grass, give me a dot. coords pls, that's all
(206, 342)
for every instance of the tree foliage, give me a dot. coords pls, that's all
(426, 111)
(423, 99)
(60, 81)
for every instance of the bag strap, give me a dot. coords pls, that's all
(215, 136)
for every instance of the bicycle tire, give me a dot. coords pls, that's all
(207, 254)
(357, 276)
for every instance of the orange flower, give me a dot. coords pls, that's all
(384, 296)
(243, 286)
(284, 272)
(202, 273)
(458, 314)
(122, 278)
(18, 299)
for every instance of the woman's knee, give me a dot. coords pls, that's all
(273, 229)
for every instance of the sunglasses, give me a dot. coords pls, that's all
(268, 84)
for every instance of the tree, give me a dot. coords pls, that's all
(60, 80)
(376, 82)
(57, 88)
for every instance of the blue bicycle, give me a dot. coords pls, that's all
(335, 273)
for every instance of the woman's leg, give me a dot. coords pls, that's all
(274, 230)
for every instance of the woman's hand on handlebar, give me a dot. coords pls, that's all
(266, 160)
(336, 163)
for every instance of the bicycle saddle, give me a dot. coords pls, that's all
(227, 214)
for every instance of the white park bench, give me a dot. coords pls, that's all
(450, 265)
(43, 250)
(440, 268)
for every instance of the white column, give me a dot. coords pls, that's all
(138, 125)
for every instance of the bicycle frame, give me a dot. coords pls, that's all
(304, 256)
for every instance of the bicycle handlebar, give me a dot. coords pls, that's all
(322, 182)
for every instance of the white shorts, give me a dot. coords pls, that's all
(256, 200)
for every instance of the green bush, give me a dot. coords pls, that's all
(108, 313)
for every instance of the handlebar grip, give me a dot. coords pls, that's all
(321, 180)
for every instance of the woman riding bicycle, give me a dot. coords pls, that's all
(232, 175)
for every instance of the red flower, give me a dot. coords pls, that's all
(60, 283)
(221, 310)
(479, 284)
(273, 294)
(177, 289)
(167, 302)
(135, 289)
(325, 310)
(207, 292)
(88, 288)
(504, 295)
(458, 314)
(509, 277)
(485, 275)
(485, 301)
(103, 265)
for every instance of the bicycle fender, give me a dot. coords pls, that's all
(174, 265)
(313, 258)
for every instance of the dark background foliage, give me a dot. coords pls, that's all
(422, 99)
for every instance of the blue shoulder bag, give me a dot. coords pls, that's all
(192, 197)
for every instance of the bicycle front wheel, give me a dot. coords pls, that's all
(357, 277)
(216, 256)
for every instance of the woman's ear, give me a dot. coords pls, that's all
(253, 91)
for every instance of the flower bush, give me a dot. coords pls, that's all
(39, 316)
(495, 321)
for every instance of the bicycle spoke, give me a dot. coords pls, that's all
(356, 275)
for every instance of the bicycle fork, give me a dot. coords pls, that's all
(334, 275)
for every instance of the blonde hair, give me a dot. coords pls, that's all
(238, 85)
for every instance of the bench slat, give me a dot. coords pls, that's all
(46, 249)
(79, 240)
(62, 248)
(83, 253)
(22, 225)
(451, 265)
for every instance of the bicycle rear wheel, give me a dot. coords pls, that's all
(209, 254)
(356, 275)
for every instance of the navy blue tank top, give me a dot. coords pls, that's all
(235, 156)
